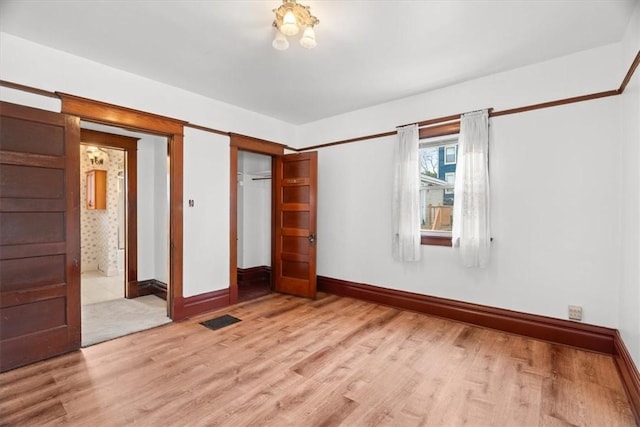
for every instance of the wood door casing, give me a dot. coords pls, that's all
(253, 145)
(39, 235)
(295, 224)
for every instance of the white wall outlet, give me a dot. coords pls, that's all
(575, 312)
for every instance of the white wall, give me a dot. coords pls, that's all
(553, 245)
(153, 209)
(161, 210)
(629, 313)
(206, 224)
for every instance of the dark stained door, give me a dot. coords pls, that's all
(39, 235)
(295, 224)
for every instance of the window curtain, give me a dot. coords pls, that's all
(406, 196)
(471, 233)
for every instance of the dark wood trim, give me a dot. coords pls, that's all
(233, 224)
(558, 331)
(199, 304)
(348, 141)
(256, 145)
(435, 240)
(151, 287)
(628, 373)
(28, 89)
(627, 77)
(254, 275)
(555, 103)
(439, 130)
(207, 129)
(72, 218)
(131, 250)
(430, 122)
(245, 143)
(136, 120)
(108, 140)
(176, 229)
(130, 146)
(102, 112)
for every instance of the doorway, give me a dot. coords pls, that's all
(254, 199)
(125, 262)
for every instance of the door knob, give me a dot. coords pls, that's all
(312, 239)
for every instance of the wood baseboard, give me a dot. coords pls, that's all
(198, 304)
(254, 275)
(151, 287)
(628, 374)
(580, 335)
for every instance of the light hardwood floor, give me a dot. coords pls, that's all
(333, 361)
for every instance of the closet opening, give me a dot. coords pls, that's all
(254, 225)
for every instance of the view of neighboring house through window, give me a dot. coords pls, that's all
(438, 159)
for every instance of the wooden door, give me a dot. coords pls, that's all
(295, 224)
(39, 235)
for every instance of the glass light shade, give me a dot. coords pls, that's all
(308, 39)
(289, 25)
(280, 42)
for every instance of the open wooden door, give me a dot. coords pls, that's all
(295, 224)
(39, 235)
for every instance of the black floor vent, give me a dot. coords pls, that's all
(220, 322)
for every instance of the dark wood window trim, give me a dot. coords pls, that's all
(435, 240)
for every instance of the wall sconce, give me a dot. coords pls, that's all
(96, 155)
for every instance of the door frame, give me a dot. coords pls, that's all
(129, 145)
(173, 130)
(258, 146)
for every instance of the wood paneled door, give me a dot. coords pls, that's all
(295, 224)
(39, 235)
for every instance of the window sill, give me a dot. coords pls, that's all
(435, 240)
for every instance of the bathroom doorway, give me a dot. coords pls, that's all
(125, 261)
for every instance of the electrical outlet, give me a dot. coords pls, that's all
(575, 312)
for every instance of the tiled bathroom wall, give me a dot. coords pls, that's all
(99, 228)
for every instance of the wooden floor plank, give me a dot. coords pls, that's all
(327, 362)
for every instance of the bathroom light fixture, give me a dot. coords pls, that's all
(96, 155)
(290, 18)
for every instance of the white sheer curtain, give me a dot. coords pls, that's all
(406, 196)
(471, 229)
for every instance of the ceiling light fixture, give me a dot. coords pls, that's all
(290, 18)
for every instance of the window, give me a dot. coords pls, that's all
(438, 157)
(450, 157)
(450, 177)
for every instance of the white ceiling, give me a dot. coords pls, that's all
(369, 52)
